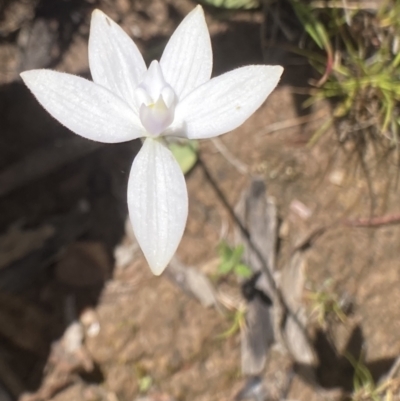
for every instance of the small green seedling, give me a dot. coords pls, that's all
(231, 261)
(144, 380)
(238, 321)
(145, 383)
(325, 303)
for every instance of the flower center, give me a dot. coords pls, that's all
(157, 101)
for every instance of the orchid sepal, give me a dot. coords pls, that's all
(157, 202)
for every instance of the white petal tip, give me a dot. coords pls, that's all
(273, 72)
(157, 269)
(96, 13)
(278, 68)
(29, 76)
(199, 9)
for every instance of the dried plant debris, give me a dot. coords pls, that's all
(274, 307)
(294, 324)
(67, 359)
(259, 219)
(192, 281)
(252, 390)
(259, 235)
(257, 336)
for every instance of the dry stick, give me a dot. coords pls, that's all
(239, 165)
(292, 122)
(374, 221)
(352, 5)
(392, 372)
(310, 238)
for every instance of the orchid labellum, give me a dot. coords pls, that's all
(173, 97)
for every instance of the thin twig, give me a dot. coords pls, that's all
(239, 165)
(292, 122)
(353, 5)
(392, 372)
(374, 221)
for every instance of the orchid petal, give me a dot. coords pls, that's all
(153, 82)
(158, 203)
(115, 61)
(87, 109)
(187, 59)
(225, 102)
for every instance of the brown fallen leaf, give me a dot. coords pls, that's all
(258, 233)
(192, 281)
(294, 330)
(257, 336)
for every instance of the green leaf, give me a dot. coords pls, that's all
(185, 153)
(311, 24)
(238, 321)
(145, 383)
(224, 251)
(233, 4)
(237, 254)
(225, 268)
(243, 271)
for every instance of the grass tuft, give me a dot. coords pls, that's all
(356, 54)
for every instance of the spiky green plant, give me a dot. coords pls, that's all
(359, 66)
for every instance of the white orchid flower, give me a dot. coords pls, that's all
(174, 97)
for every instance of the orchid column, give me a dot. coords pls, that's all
(173, 97)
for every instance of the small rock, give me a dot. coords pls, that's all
(337, 177)
(124, 254)
(73, 337)
(91, 322)
(303, 211)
